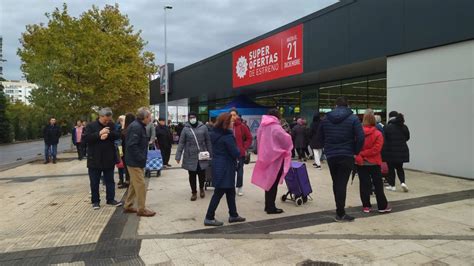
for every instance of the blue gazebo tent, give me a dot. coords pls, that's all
(244, 105)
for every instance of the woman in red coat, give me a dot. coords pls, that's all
(369, 162)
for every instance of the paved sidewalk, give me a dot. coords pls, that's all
(49, 220)
(433, 223)
(49, 206)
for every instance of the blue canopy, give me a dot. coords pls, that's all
(244, 105)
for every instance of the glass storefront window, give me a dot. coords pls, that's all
(309, 102)
(328, 93)
(377, 95)
(362, 93)
(355, 90)
(288, 102)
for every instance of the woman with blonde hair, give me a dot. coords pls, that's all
(369, 162)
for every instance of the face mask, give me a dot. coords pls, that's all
(193, 121)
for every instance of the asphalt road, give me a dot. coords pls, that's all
(12, 154)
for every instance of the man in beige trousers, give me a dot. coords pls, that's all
(136, 142)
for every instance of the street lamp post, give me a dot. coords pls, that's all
(166, 70)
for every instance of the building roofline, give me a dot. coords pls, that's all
(321, 12)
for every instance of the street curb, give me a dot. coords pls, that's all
(27, 161)
(29, 140)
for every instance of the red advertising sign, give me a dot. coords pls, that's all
(277, 56)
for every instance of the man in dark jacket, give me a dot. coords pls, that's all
(343, 137)
(51, 135)
(165, 141)
(100, 137)
(135, 155)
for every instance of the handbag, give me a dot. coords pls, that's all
(203, 155)
(120, 165)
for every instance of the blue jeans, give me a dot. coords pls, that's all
(50, 150)
(121, 172)
(95, 176)
(216, 198)
(240, 172)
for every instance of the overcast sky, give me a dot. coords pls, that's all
(197, 29)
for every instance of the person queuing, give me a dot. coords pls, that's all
(299, 134)
(285, 126)
(118, 143)
(129, 119)
(51, 135)
(179, 129)
(84, 124)
(164, 139)
(77, 139)
(292, 125)
(395, 149)
(315, 143)
(194, 139)
(150, 133)
(135, 156)
(226, 155)
(369, 162)
(274, 158)
(100, 137)
(342, 136)
(307, 150)
(379, 125)
(243, 138)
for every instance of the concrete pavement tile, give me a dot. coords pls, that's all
(264, 250)
(189, 261)
(219, 263)
(458, 248)
(179, 253)
(399, 248)
(435, 263)
(414, 258)
(242, 259)
(199, 248)
(208, 257)
(290, 259)
(167, 244)
(454, 260)
(156, 258)
(432, 243)
(384, 263)
(344, 249)
(273, 263)
(149, 246)
(327, 256)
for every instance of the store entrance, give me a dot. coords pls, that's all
(362, 93)
(288, 102)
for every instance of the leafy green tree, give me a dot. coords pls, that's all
(5, 127)
(17, 112)
(96, 59)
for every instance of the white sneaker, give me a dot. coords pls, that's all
(390, 188)
(239, 191)
(404, 187)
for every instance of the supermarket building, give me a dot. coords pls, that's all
(412, 56)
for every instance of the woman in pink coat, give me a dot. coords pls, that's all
(274, 158)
